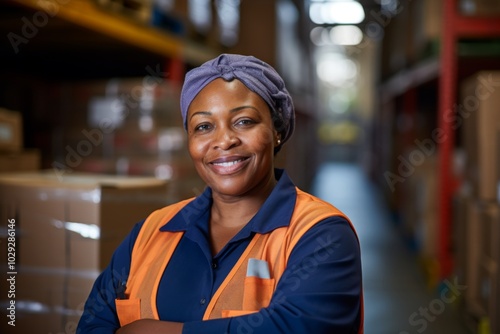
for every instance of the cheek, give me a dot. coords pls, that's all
(264, 141)
(195, 149)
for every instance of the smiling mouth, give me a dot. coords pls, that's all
(229, 167)
(228, 163)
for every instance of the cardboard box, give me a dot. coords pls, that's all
(498, 167)
(49, 301)
(420, 205)
(395, 45)
(67, 228)
(487, 292)
(66, 221)
(11, 131)
(24, 161)
(459, 244)
(481, 250)
(29, 322)
(38, 295)
(490, 231)
(426, 26)
(472, 248)
(480, 120)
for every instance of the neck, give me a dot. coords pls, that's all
(232, 212)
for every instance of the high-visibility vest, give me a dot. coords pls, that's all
(237, 294)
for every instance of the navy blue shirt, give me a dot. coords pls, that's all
(319, 292)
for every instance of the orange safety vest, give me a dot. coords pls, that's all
(237, 294)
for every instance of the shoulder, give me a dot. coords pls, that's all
(310, 206)
(152, 227)
(309, 211)
(164, 214)
(334, 233)
(161, 217)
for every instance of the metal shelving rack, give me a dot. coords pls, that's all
(456, 26)
(88, 15)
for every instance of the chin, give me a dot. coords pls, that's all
(229, 188)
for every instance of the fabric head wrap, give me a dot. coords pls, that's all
(255, 74)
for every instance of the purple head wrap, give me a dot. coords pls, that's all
(255, 74)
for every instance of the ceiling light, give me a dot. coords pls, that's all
(336, 70)
(346, 35)
(337, 12)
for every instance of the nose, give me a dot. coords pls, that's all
(225, 139)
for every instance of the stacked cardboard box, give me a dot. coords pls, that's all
(394, 28)
(479, 118)
(497, 163)
(415, 204)
(66, 229)
(426, 26)
(12, 155)
(419, 221)
(487, 284)
(479, 115)
(129, 126)
(478, 258)
(461, 207)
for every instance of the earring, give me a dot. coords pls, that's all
(279, 141)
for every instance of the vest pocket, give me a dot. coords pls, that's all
(257, 293)
(128, 310)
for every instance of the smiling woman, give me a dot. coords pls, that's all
(232, 143)
(252, 253)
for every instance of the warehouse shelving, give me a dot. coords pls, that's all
(88, 15)
(439, 75)
(455, 27)
(78, 39)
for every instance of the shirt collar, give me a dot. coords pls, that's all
(276, 211)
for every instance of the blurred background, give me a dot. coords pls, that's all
(398, 124)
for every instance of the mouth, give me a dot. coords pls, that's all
(228, 165)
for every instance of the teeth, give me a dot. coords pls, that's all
(227, 164)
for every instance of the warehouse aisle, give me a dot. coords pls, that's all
(397, 300)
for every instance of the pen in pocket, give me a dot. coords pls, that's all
(120, 291)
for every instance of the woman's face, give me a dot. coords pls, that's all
(231, 139)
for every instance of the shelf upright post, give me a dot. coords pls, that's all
(176, 69)
(447, 100)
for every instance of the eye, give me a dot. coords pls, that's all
(203, 127)
(245, 122)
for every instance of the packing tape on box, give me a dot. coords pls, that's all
(28, 306)
(88, 231)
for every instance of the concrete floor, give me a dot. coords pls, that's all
(397, 300)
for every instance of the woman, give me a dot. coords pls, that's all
(252, 254)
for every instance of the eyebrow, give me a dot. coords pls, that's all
(208, 113)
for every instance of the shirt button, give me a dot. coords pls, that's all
(203, 301)
(214, 265)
